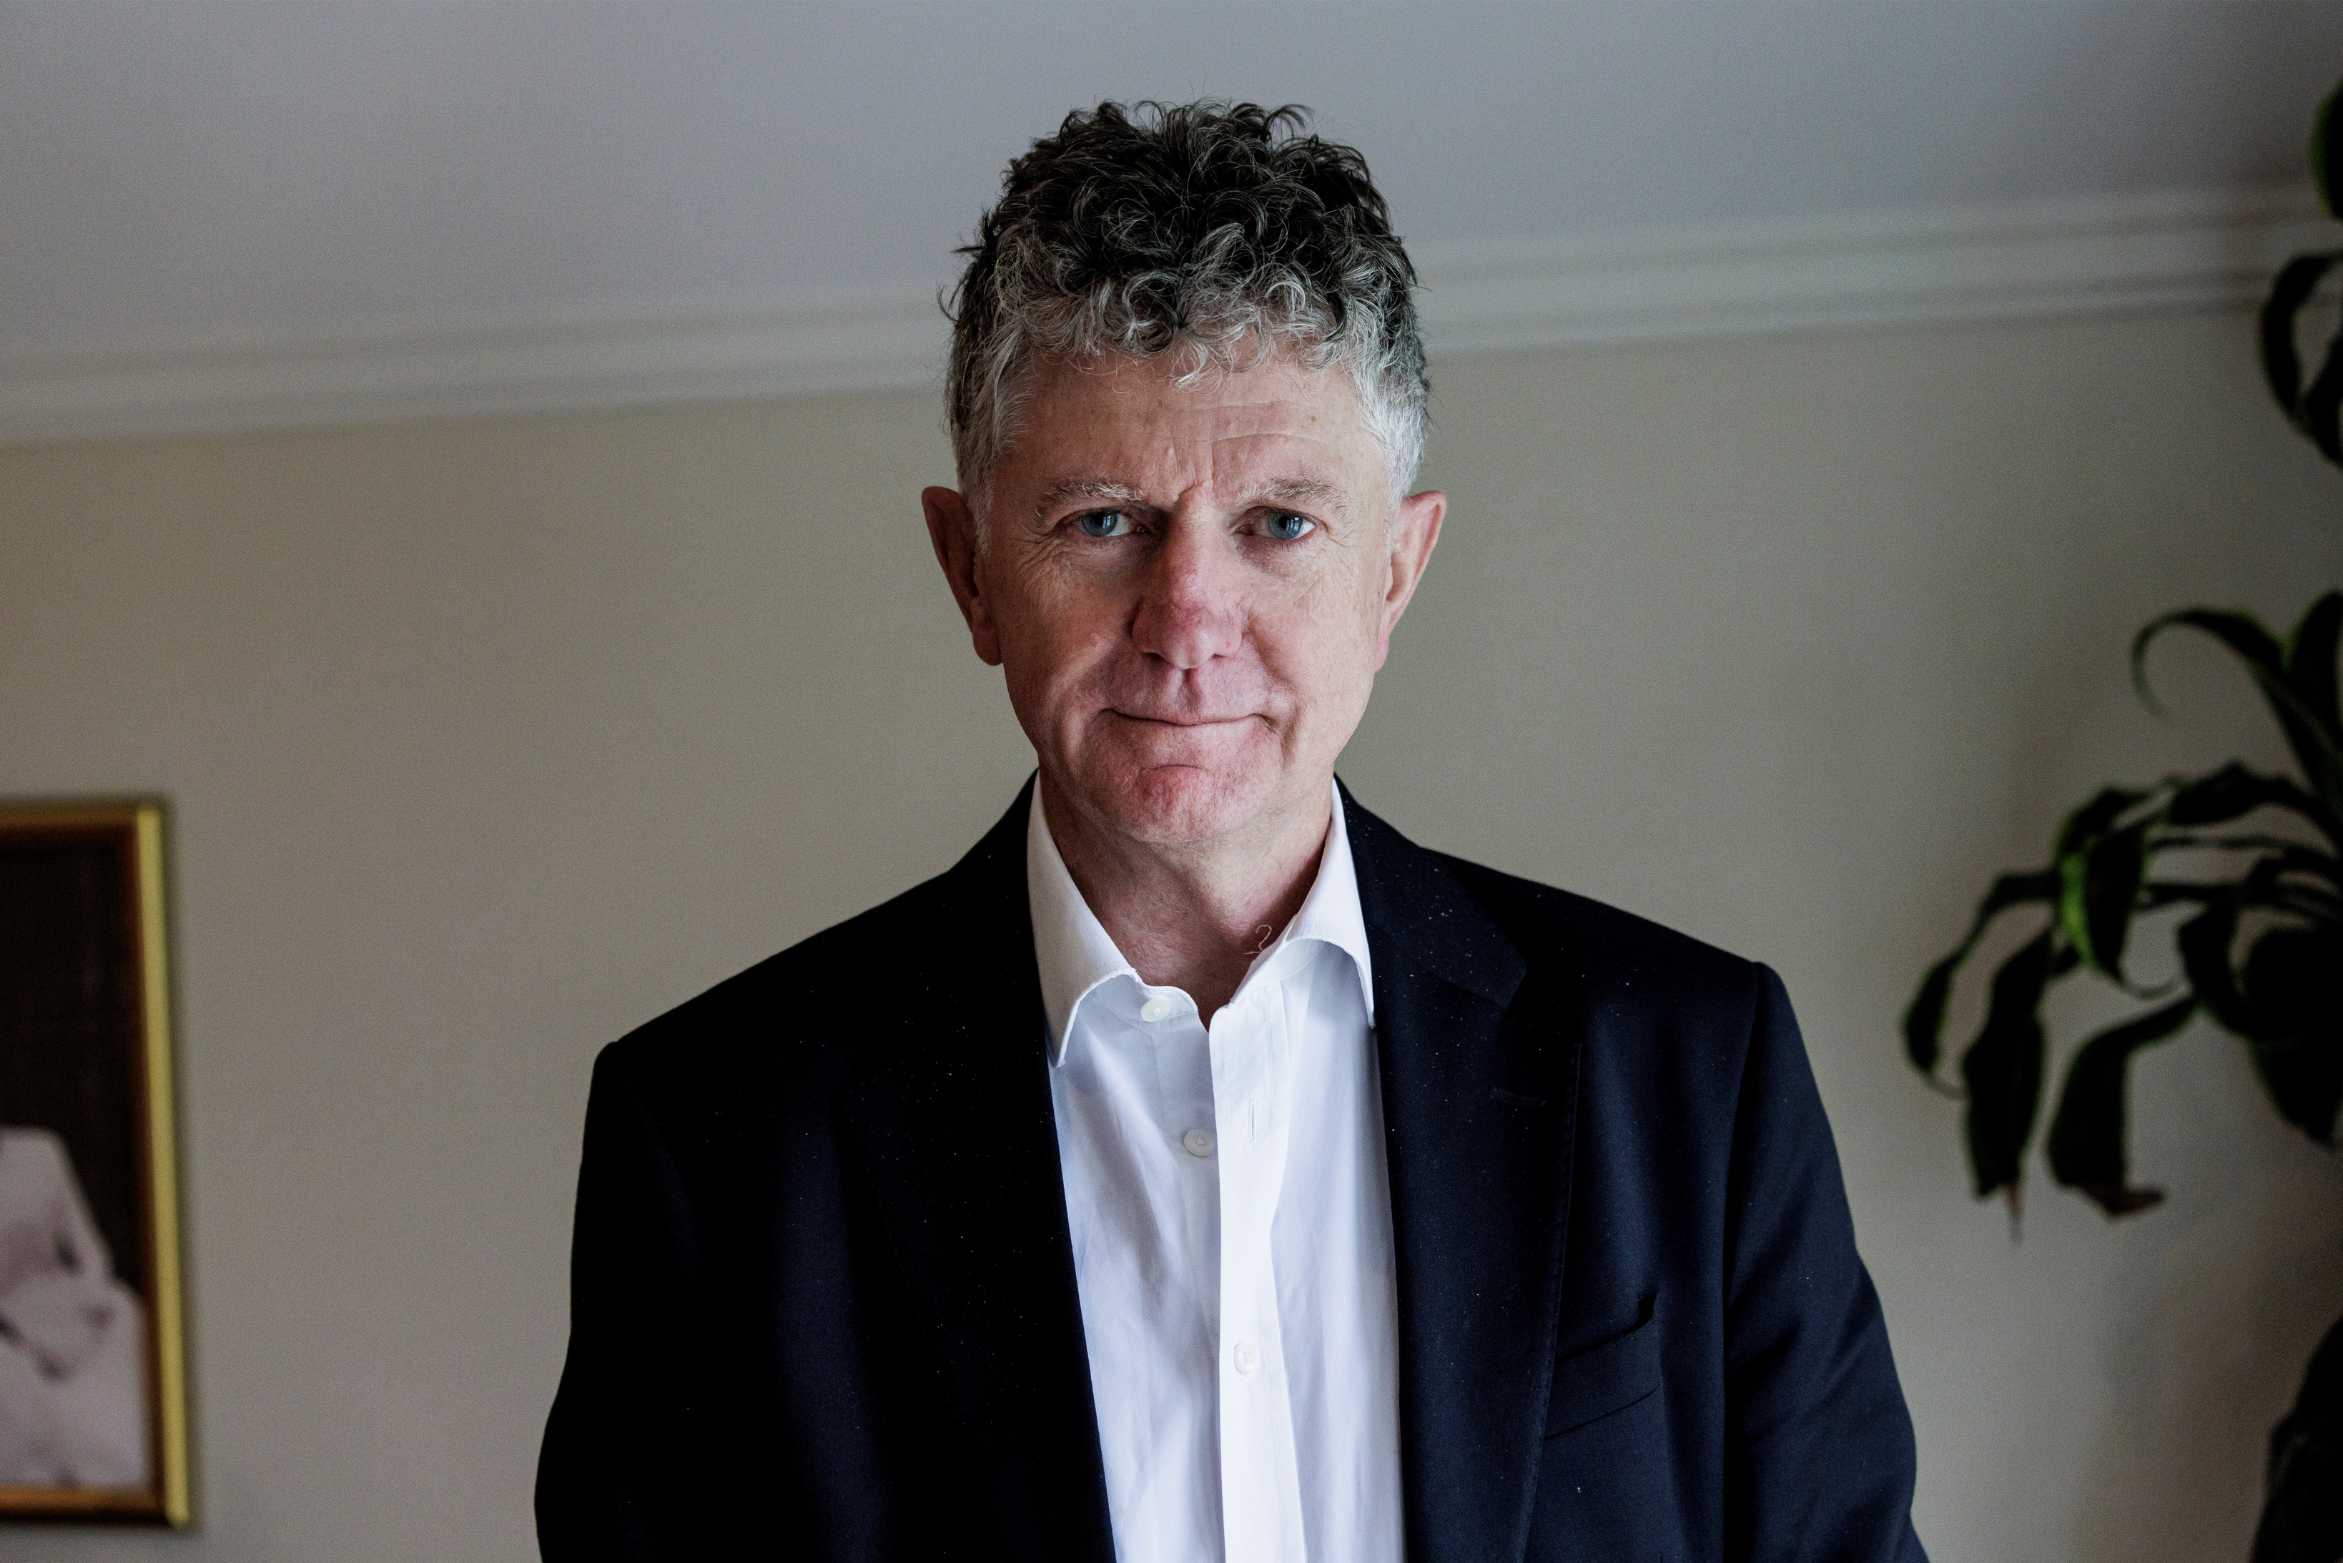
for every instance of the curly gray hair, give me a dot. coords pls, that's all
(1197, 231)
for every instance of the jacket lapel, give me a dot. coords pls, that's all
(1479, 1070)
(954, 1140)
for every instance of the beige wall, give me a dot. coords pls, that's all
(487, 740)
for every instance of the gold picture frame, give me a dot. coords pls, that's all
(93, 1379)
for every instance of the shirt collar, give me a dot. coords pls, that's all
(1075, 954)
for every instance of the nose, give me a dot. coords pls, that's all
(1190, 607)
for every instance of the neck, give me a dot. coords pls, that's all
(1192, 918)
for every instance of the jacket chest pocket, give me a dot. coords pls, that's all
(1608, 1376)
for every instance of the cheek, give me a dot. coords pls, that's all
(1057, 654)
(1329, 662)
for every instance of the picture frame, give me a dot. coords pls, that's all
(93, 1395)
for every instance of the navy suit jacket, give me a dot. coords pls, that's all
(823, 1301)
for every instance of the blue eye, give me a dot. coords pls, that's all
(1096, 525)
(1082, 522)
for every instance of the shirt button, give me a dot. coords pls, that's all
(1198, 1142)
(1244, 1356)
(1157, 1008)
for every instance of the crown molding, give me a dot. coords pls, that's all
(2179, 250)
(2086, 256)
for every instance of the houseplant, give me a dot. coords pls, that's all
(2260, 939)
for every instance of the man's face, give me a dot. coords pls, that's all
(1190, 591)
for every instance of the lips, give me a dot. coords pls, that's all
(1180, 721)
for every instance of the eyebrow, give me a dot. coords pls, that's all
(1311, 491)
(1082, 488)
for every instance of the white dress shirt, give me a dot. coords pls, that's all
(1231, 1221)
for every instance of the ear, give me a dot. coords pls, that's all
(1414, 532)
(951, 529)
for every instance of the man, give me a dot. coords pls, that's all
(1200, 1168)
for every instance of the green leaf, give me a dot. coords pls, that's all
(2307, 861)
(2289, 291)
(2204, 942)
(2087, 1132)
(2308, 661)
(1923, 1023)
(2321, 414)
(2236, 790)
(2297, 1041)
(2282, 1004)
(2003, 1066)
(2099, 883)
(2293, 857)
(2316, 745)
(2087, 820)
(2278, 896)
(2241, 632)
(2091, 899)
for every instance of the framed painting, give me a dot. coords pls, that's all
(93, 1418)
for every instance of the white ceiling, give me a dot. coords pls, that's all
(185, 172)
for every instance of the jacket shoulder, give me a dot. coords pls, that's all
(795, 1010)
(1622, 960)
(1666, 1019)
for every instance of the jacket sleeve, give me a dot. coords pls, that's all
(615, 1477)
(1818, 1442)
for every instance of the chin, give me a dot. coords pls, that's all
(1167, 803)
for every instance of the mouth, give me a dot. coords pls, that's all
(1177, 721)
